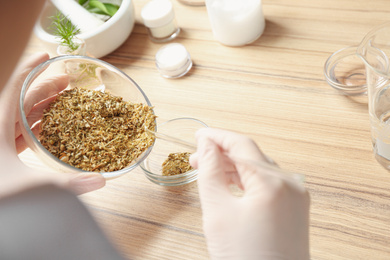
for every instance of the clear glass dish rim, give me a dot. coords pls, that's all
(177, 177)
(28, 81)
(332, 62)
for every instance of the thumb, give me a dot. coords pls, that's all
(9, 99)
(212, 181)
(85, 182)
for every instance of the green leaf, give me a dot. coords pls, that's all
(81, 2)
(94, 10)
(112, 9)
(104, 8)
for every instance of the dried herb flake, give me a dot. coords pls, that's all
(176, 163)
(96, 131)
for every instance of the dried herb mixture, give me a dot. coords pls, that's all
(96, 131)
(176, 163)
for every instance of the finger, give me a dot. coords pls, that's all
(45, 91)
(234, 178)
(21, 143)
(227, 163)
(85, 182)
(78, 183)
(241, 150)
(229, 169)
(9, 100)
(212, 180)
(35, 115)
(21, 72)
(233, 143)
(194, 160)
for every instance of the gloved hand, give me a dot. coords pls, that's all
(268, 222)
(14, 175)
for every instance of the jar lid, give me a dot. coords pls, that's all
(157, 13)
(346, 72)
(173, 60)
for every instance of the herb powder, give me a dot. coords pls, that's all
(176, 163)
(96, 131)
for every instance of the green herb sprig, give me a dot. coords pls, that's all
(64, 30)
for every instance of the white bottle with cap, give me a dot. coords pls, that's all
(173, 60)
(236, 22)
(159, 18)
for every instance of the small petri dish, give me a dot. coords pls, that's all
(182, 129)
(346, 72)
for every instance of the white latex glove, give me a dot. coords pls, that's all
(269, 222)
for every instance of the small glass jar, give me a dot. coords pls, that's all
(159, 18)
(183, 129)
(346, 72)
(173, 60)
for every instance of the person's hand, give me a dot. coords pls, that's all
(269, 221)
(37, 99)
(15, 175)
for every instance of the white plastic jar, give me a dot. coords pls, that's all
(236, 22)
(159, 18)
(173, 60)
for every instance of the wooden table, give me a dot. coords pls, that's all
(273, 91)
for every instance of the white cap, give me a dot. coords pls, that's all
(157, 13)
(173, 60)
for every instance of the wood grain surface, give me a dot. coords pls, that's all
(274, 91)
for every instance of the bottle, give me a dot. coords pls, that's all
(236, 22)
(173, 60)
(159, 18)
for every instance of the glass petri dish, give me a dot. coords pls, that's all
(85, 72)
(182, 129)
(346, 72)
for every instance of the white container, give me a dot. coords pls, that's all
(236, 22)
(100, 41)
(173, 60)
(159, 18)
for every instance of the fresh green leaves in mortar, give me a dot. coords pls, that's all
(98, 7)
(64, 30)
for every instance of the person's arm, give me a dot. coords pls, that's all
(16, 22)
(47, 222)
(40, 218)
